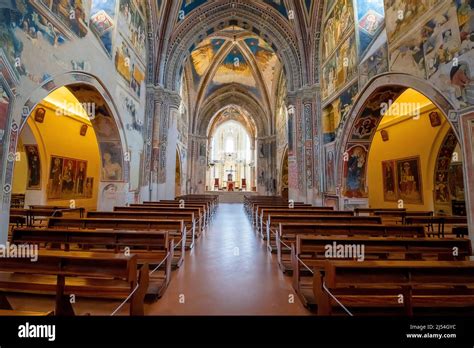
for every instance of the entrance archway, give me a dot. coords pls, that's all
(111, 186)
(371, 128)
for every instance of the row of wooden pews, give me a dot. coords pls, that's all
(127, 254)
(368, 261)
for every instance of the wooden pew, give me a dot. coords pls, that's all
(440, 221)
(30, 215)
(399, 216)
(172, 226)
(203, 208)
(197, 211)
(274, 220)
(371, 211)
(264, 211)
(257, 209)
(152, 248)
(84, 274)
(376, 287)
(288, 232)
(15, 313)
(309, 251)
(187, 217)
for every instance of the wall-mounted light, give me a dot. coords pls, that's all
(384, 135)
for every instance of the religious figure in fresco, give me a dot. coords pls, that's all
(355, 173)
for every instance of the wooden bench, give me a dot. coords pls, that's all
(83, 274)
(176, 229)
(274, 220)
(15, 313)
(309, 251)
(206, 215)
(263, 213)
(440, 221)
(288, 232)
(187, 217)
(152, 248)
(371, 211)
(30, 215)
(395, 287)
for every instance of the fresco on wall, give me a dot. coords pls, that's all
(73, 13)
(370, 17)
(409, 180)
(374, 65)
(355, 172)
(330, 169)
(450, 66)
(442, 168)
(408, 56)
(390, 193)
(67, 178)
(33, 181)
(131, 25)
(112, 161)
(340, 20)
(4, 111)
(402, 15)
(337, 111)
(340, 69)
(129, 67)
(102, 22)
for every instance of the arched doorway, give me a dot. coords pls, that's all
(376, 167)
(72, 147)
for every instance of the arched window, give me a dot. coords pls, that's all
(229, 145)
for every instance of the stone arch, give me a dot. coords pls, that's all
(380, 90)
(275, 30)
(89, 89)
(231, 95)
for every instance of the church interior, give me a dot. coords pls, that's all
(237, 157)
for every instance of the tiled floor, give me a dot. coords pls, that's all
(229, 272)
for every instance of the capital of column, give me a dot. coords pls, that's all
(165, 96)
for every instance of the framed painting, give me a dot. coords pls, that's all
(55, 175)
(410, 188)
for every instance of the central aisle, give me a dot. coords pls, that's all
(229, 272)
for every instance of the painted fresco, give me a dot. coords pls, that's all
(340, 69)
(103, 23)
(450, 69)
(129, 67)
(409, 180)
(266, 59)
(112, 161)
(73, 13)
(33, 181)
(338, 24)
(355, 172)
(279, 5)
(408, 56)
(374, 65)
(131, 25)
(402, 15)
(442, 194)
(4, 112)
(390, 193)
(370, 17)
(235, 69)
(330, 159)
(337, 111)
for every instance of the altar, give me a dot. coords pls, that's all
(230, 186)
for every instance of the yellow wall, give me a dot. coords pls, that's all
(407, 138)
(21, 170)
(59, 136)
